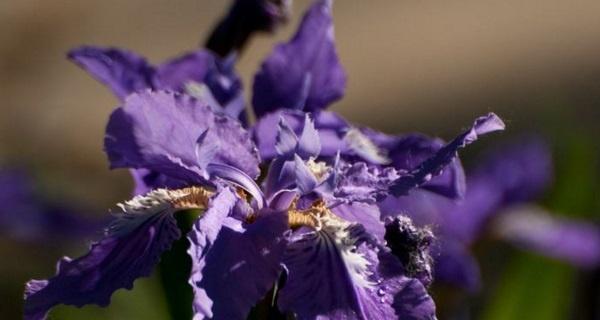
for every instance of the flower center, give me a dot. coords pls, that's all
(192, 198)
(310, 217)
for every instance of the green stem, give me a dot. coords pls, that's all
(174, 269)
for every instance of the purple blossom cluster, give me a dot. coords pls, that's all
(301, 205)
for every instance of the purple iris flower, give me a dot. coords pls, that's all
(498, 198)
(312, 228)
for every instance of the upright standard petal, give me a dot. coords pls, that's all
(142, 231)
(122, 71)
(304, 73)
(434, 165)
(233, 265)
(160, 130)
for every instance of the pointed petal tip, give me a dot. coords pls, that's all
(488, 123)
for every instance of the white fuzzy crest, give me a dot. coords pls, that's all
(142, 207)
(356, 264)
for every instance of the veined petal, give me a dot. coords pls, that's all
(324, 273)
(533, 228)
(333, 273)
(122, 71)
(434, 165)
(138, 136)
(233, 266)
(142, 231)
(304, 73)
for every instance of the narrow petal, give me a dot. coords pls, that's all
(309, 144)
(132, 246)
(233, 266)
(304, 73)
(122, 71)
(434, 165)
(138, 136)
(535, 229)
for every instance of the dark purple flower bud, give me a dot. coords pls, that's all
(245, 18)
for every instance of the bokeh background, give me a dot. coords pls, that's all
(413, 65)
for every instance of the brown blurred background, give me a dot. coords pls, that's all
(413, 65)
(430, 66)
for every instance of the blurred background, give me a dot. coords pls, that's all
(429, 66)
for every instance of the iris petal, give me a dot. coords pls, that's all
(304, 73)
(138, 136)
(132, 246)
(335, 274)
(233, 266)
